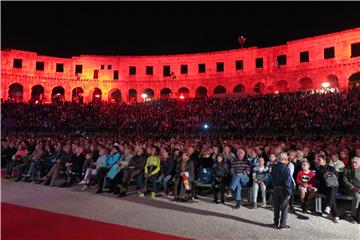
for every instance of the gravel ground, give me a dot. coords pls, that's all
(197, 220)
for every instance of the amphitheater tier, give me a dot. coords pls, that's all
(298, 65)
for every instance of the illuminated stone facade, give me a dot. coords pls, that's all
(300, 64)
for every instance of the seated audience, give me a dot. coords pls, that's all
(328, 183)
(240, 171)
(260, 175)
(352, 183)
(184, 175)
(306, 181)
(219, 172)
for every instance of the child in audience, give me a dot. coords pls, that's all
(306, 180)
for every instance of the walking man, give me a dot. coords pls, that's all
(282, 183)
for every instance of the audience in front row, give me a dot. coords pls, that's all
(173, 163)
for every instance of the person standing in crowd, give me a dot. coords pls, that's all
(260, 175)
(306, 181)
(328, 184)
(240, 171)
(283, 187)
(352, 183)
(219, 172)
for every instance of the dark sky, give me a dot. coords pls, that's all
(142, 28)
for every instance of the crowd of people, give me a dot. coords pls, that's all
(318, 164)
(300, 112)
(171, 146)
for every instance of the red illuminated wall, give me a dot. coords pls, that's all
(272, 77)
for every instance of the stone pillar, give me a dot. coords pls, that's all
(26, 95)
(47, 95)
(68, 95)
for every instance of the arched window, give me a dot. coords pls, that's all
(16, 92)
(201, 92)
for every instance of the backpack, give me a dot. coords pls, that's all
(205, 175)
(331, 179)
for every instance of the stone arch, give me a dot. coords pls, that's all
(150, 94)
(333, 80)
(354, 80)
(16, 92)
(96, 95)
(165, 93)
(58, 94)
(282, 86)
(132, 96)
(183, 92)
(306, 83)
(78, 95)
(354, 86)
(201, 92)
(219, 89)
(259, 88)
(240, 88)
(115, 95)
(37, 93)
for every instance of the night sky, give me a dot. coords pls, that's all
(67, 29)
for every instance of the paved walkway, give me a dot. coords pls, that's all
(198, 220)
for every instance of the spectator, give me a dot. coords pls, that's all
(89, 170)
(134, 169)
(184, 175)
(291, 167)
(260, 175)
(74, 166)
(115, 175)
(352, 183)
(219, 172)
(240, 171)
(64, 156)
(306, 181)
(283, 187)
(151, 170)
(30, 169)
(166, 169)
(16, 159)
(112, 159)
(328, 184)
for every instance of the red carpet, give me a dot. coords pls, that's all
(19, 222)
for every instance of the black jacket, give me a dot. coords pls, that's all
(138, 162)
(166, 167)
(220, 170)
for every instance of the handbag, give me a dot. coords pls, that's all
(331, 179)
